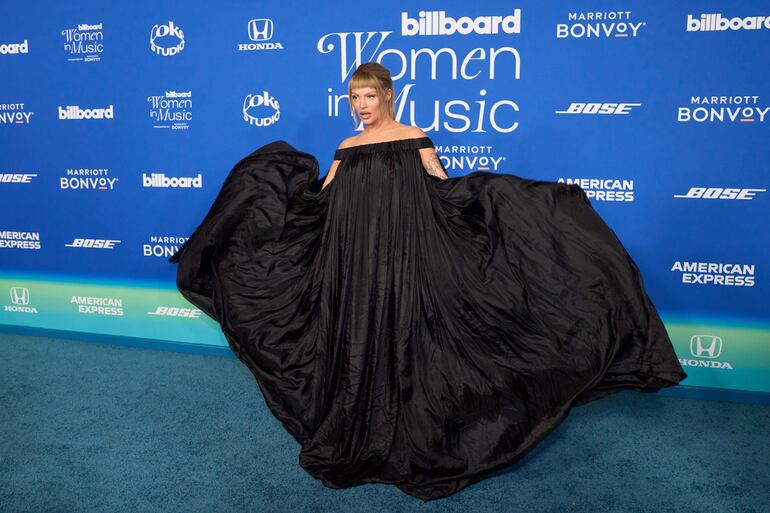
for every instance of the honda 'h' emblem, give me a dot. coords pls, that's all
(260, 29)
(705, 346)
(20, 295)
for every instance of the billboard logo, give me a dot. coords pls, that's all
(163, 181)
(437, 23)
(75, 112)
(11, 48)
(715, 22)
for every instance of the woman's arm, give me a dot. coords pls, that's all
(333, 168)
(432, 164)
(331, 173)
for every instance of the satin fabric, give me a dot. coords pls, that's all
(417, 331)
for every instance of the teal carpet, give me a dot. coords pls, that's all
(104, 428)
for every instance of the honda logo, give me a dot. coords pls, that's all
(705, 346)
(20, 295)
(260, 29)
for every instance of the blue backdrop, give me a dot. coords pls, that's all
(118, 124)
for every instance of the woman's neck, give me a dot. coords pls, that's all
(382, 127)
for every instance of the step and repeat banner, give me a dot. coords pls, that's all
(119, 123)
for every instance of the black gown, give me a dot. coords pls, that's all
(416, 331)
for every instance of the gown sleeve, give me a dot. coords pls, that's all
(250, 209)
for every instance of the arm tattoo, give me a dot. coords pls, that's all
(434, 167)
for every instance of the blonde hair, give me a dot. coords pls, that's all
(377, 76)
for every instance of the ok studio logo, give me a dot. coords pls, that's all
(261, 109)
(167, 34)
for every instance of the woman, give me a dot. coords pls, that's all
(372, 99)
(410, 328)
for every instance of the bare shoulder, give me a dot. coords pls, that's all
(413, 132)
(348, 142)
(429, 156)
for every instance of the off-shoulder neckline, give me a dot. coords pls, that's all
(366, 146)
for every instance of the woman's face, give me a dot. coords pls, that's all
(369, 107)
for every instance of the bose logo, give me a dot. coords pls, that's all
(16, 177)
(93, 243)
(173, 311)
(720, 193)
(599, 108)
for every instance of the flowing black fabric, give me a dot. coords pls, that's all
(417, 331)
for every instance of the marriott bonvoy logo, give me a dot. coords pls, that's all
(14, 114)
(732, 108)
(84, 178)
(599, 24)
(163, 246)
(437, 23)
